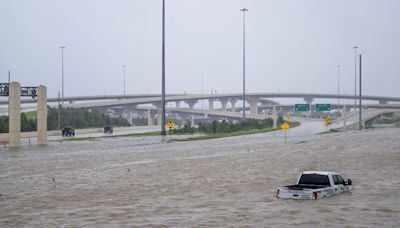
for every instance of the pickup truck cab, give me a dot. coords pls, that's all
(315, 185)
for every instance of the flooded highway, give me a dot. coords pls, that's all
(133, 181)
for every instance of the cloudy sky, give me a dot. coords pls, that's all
(292, 45)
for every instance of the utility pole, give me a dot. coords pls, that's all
(163, 132)
(123, 66)
(355, 78)
(338, 85)
(202, 89)
(9, 77)
(360, 100)
(59, 116)
(244, 62)
(62, 73)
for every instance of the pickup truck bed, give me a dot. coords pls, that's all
(303, 186)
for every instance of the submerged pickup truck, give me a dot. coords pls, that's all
(315, 185)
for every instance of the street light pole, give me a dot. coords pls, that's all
(58, 112)
(355, 78)
(244, 62)
(202, 89)
(124, 66)
(338, 85)
(163, 71)
(62, 74)
(360, 100)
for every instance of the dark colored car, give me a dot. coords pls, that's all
(68, 131)
(108, 129)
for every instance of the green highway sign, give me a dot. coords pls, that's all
(301, 107)
(323, 107)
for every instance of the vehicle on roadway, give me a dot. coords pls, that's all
(315, 185)
(68, 131)
(108, 130)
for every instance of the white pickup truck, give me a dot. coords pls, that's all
(315, 185)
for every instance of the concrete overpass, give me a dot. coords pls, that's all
(308, 97)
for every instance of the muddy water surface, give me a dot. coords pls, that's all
(222, 182)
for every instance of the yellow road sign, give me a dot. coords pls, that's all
(171, 125)
(327, 120)
(285, 126)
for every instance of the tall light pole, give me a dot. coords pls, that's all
(62, 74)
(124, 66)
(163, 71)
(338, 85)
(244, 62)
(360, 99)
(202, 89)
(355, 78)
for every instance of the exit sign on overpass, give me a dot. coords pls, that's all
(323, 107)
(301, 107)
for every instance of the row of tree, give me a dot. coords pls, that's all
(225, 126)
(78, 118)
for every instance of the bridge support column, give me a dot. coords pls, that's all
(309, 100)
(150, 118)
(224, 102)
(14, 115)
(191, 103)
(233, 104)
(128, 114)
(192, 121)
(253, 106)
(177, 104)
(344, 110)
(274, 118)
(210, 104)
(42, 116)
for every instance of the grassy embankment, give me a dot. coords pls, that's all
(204, 136)
(235, 133)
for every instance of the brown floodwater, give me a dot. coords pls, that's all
(222, 182)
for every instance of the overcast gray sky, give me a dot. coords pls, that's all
(292, 45)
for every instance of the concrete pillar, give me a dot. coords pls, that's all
(274, 117)
(14, 115)
(309, 101)
(253, 106)
(192, 121)
(42, 116)
(128, 113)
(233, 104)
(224, 102)
(159, 117)
(210, 104)
(150, 118)
(344, 110)
(177, 104)
(191, 103)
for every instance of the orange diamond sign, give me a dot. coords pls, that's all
(285, 126)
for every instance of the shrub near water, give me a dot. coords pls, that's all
(225, 126)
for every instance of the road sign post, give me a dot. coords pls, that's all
(302, 107)
(327, 120)
(285, 127)
(170, 126)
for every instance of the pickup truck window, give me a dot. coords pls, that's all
(338, 179)
(314, 179)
